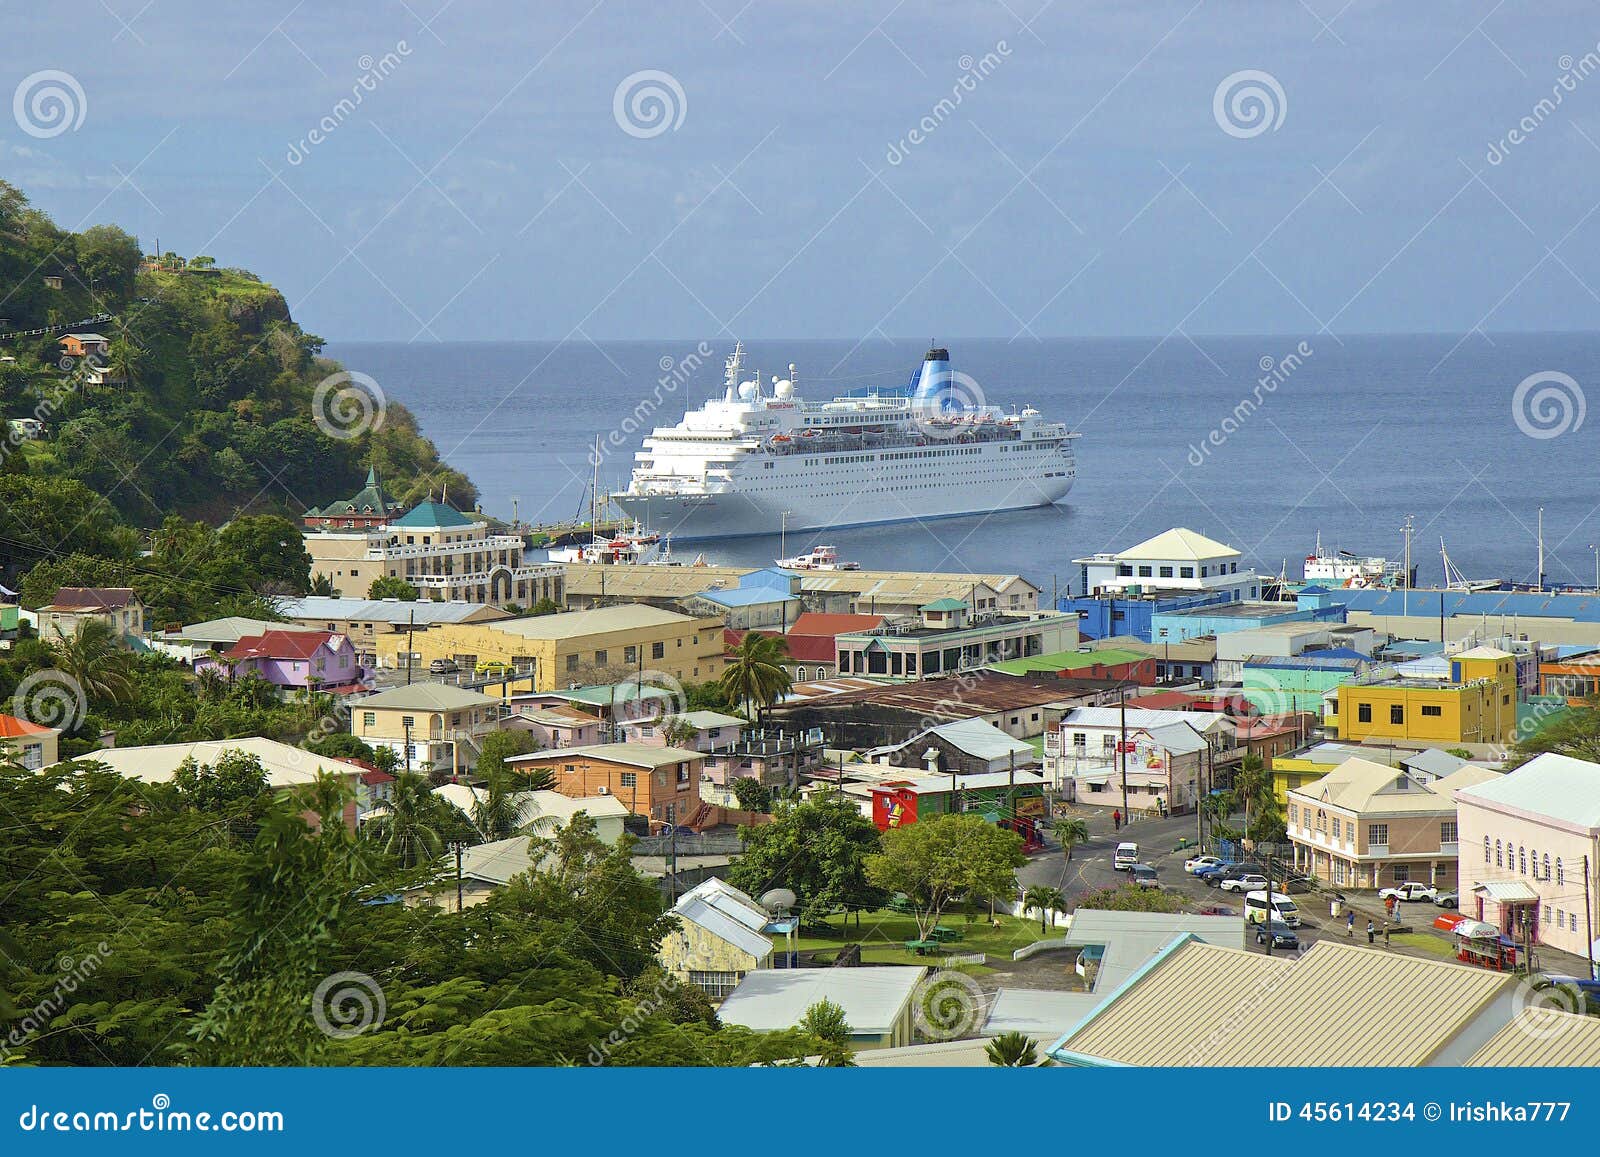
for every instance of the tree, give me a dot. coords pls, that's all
(755, 675)
(341, 745)
(321, 585)
(752, 794)
(1574, 732)
(109, 258)
(412, 824)
(1071, 832)
(1131, 898)
(234, 783)
(826, 1021)
(936, 861)
(819, 850)
(545, 606)
(94, 659)
(262, 554)
(1043, 900)
(1013, 1050)
(678, 732)
(391, 587)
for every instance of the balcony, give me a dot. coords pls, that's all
(1377, 849)
(1453, 849)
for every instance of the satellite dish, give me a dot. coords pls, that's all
(778, 900)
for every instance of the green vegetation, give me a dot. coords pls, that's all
(202, 409)
(1013, 1050)
(882, 934)
(1131, 898)
(818, 850)
(755, 677)
(938, 861)
(1575, 732)
(389, 587)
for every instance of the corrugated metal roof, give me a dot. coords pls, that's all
(1542, 1038)
(1507, 891)
(1551, 785)
(723, 926)
(776, 998)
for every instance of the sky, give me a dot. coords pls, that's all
(448, 170)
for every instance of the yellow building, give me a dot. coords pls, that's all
(1477, 705)
(598, 646)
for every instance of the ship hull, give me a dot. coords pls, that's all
(740, 514)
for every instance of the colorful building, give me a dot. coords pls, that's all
(371, 506)
(28, 744)
(1574, 676)
(947, 637)
(1105, 663)
(1300, 682)
(292, 660)
(1012, 800)
(120, 608)
(1477, 705)
(647, 780)
(427, 725)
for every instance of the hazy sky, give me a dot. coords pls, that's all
(1078, 173)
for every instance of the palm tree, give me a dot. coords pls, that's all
(93, 657)
(755, 676)
(1044, 900)
(411, 823)
(1071, 832)
(1013, 1050)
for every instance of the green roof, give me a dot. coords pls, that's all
(370, 499)
(1067, 661)
(946, 605)
(431, 514)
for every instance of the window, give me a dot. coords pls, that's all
(1561, 874)
(1447, 832)
(1485, 849)
(1498, 862)
(630, 655)
(1522, 858)
(1547, 913)
(1144, 572)
(1574, 921)
(1397, 714)
(628, 779)
(1079, 740)
(408, 721)
(1166, 572)
(1294, 813)
(1336, 827)
(1402, 873)
(1432, 710)
(572, 662)
(1364, 713)
(716, 984)
(1377, 833)
(658, 650)
(1186, 572)
(599, 658)
(369, 719)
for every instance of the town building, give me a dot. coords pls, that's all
(1552, 617)
(1177, 560)
(366, 509)
(614, 704)
(763, 600)
(1186, 661)
(1126, 667)
(438, 550)
(1287, 640)
(721, 939)
(1367, 825)
(558, 725)
(1171, 757)
(1478, 705)
(947, 637)
(1272, 683)
(962, 747)
(647, 780)
(83, 345)
(196, 641)
(1530, 860)
(1575, 675)
(292, 660)
(1219, 619)
(607, 644)
(809, 649)
(1011, 800)
(366, 621)
(879, 1004)
(120, 608)
(28, 745)
(775, 757)
(427, 725)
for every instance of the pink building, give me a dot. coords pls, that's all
(559, 726)
(1529, 839)
(292, 660)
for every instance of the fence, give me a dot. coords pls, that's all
(690, 844)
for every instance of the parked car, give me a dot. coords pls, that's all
(1250, 882)
(1589, 989)
(1213, 875)
(443, 667)
(1447, 900)
(1411, 890)
(1282, 935)
(1144, 876)
(1194, 865)
(493, 667)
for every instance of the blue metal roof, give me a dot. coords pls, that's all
(1332, 659)
(748, 596)
(428, 514)
(1583, 608)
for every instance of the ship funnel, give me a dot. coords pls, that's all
(933, 380)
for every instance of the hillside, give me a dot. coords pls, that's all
(202, 407)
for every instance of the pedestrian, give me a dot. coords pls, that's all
(1116, 820)
(1386, 943)
(1350, 926)
(1371, 933)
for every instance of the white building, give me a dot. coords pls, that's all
(1175, 561)
(1167, 755)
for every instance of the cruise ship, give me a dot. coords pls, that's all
(756, 460)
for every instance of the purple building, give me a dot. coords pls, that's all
(293, 660)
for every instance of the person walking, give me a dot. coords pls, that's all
(1116, 820)
(1371, 932)
(1350, 926)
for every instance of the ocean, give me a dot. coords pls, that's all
(1260, 442)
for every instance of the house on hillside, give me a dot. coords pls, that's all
(28, 744)
(70, 607)
(721, 938)
(428, 725)
(292, 660)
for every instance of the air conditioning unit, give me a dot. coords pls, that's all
(602, 790)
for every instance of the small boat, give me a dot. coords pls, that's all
(818, 558)
(633, 545)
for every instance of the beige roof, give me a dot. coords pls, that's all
(1482, 653)
(889, 586)
(285, 765)
(425, 697)
(1200, 649)
(1360, 785)
(1541, 1038)
(1337, 1005)
(576, 624)
(1179, 542)
(635, 754)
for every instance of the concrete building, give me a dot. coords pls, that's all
(965, 747)
(1220, 619)
(720, 940)
(1286, 640)
(438, 550)
(1478, 705)
(427, 725)
(1575, 676)
(763, 600)
(647, 780)
(879, 1003)
(1192, 660)
(28, 745)
(773, 756)
(947, 637)
(368, 620)
(293, 660)
(1177, 560)
(370, 507)
(1172, 757)
(1275, 684)
(1366, 825)
(118, 607)
(1529, 839)
(608, 644)
(560, 725)
(1547, 616)
(1125, 667)
(1013, 800)
(810, 651)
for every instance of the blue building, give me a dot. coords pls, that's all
(1109, 615)
(1220, 619)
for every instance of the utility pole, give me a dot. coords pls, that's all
(1122, 747)
(672, 855)
(1266, 919)
(1588, 919)
(411, 626)
(408, 745)
(458, 846)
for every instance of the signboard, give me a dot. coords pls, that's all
(893, 808)
(1032, 805)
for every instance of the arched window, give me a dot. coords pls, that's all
(1561, 873)
(1497, 860)
(1535, 858)
(1522, 861)
(1547, 865)
(1486, 849)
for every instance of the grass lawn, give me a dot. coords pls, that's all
(1422, 942)
(883, 935)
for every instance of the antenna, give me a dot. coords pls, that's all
(1539, 576)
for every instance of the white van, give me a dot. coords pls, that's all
(1283, 908)
(1127, 855)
